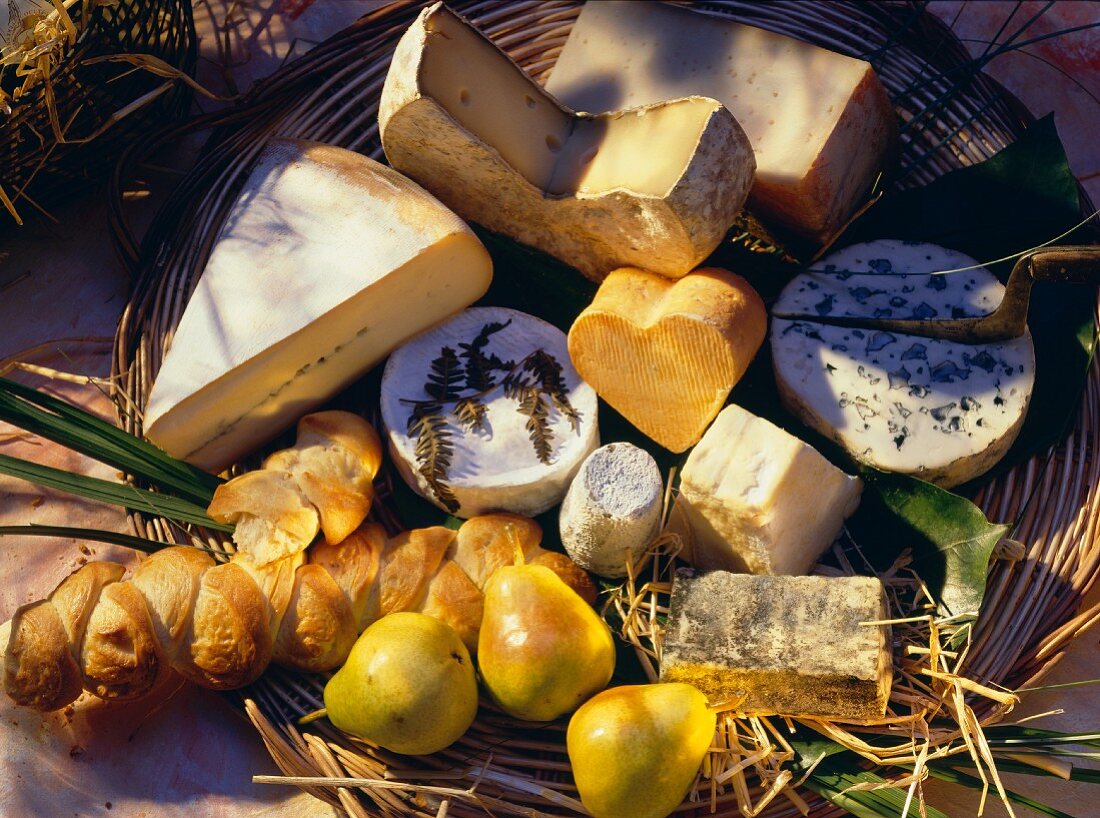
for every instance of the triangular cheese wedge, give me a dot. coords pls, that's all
(326, 262)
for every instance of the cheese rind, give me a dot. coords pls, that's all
(656, 187)
(820, 123)
(758, 499)
(326, 262)
(788, 645)
(612, 509)
(495, 468)
(942, 411)
(666, 353)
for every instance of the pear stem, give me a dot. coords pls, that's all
(314, 716)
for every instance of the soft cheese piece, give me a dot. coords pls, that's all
(326, 262)
(495, 467)
(657, 187)
(798, 646)
(666, 353)
(942, 411)
(820, 123)
(760, 500)
(612, 510)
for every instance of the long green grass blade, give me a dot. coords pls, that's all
(93, 534)
(974, 783)
(1009, 765)
(119, 494)
(81, 431)
(833, 783)
(1013, 736)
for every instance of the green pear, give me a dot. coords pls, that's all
(408, 685)
(542, 650)
(636, 749)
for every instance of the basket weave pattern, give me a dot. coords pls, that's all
(951, 116)
(90, 101)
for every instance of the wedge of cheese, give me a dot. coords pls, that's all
(820, 123)
(942, 411)
(759, 500)
(326, 262)
(656, 187)
(797, 646)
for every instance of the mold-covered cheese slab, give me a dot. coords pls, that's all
(787, 645)
(657, 186)
(758, 499)
(940, 410)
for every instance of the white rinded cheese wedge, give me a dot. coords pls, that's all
(612, 509)
(820, 123)
(494, 468)
(656, 187)
(942, 411)
(326, 262)
(761, 501)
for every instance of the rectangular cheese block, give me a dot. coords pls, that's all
(326, 262)
(821, 123)
(759, 500)
(795, 646)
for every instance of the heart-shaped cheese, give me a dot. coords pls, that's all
(665, 353)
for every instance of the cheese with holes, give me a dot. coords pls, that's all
(326, 262)
(797, 646)
(656, 187)
(939, 410)
(666, 353)
(820, 123)
(502, 357)
(759, 500)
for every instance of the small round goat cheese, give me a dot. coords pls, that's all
(612, 509)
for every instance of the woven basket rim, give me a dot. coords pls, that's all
(295, 101)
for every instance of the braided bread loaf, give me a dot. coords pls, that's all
(219, 625)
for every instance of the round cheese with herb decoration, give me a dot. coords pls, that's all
(486, 413)
(939, 410)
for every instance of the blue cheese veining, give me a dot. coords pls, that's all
(943, 411)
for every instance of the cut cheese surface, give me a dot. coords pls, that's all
(759, 500)
(494, 467)
(657, 186)
(942, 411)
(787, 645)
(666, 353)
(820, 123)
(326, 262)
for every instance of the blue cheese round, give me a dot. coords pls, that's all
(939, 410)
(535, 417)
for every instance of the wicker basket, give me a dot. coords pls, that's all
(1030, 613)
(69, 129)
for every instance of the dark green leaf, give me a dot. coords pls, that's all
(74, 428)
(833, 778)
(119, 494)
(974, 783)
(94, 534)
(950, 538)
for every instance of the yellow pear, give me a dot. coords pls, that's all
(408, 685)
(542, 649)
(636, 749)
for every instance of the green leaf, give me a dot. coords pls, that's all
(104, 491)
(950, 538)
(833, 778)
(974, 783)
(77, 429)
(94, 534)
(1022, 197)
